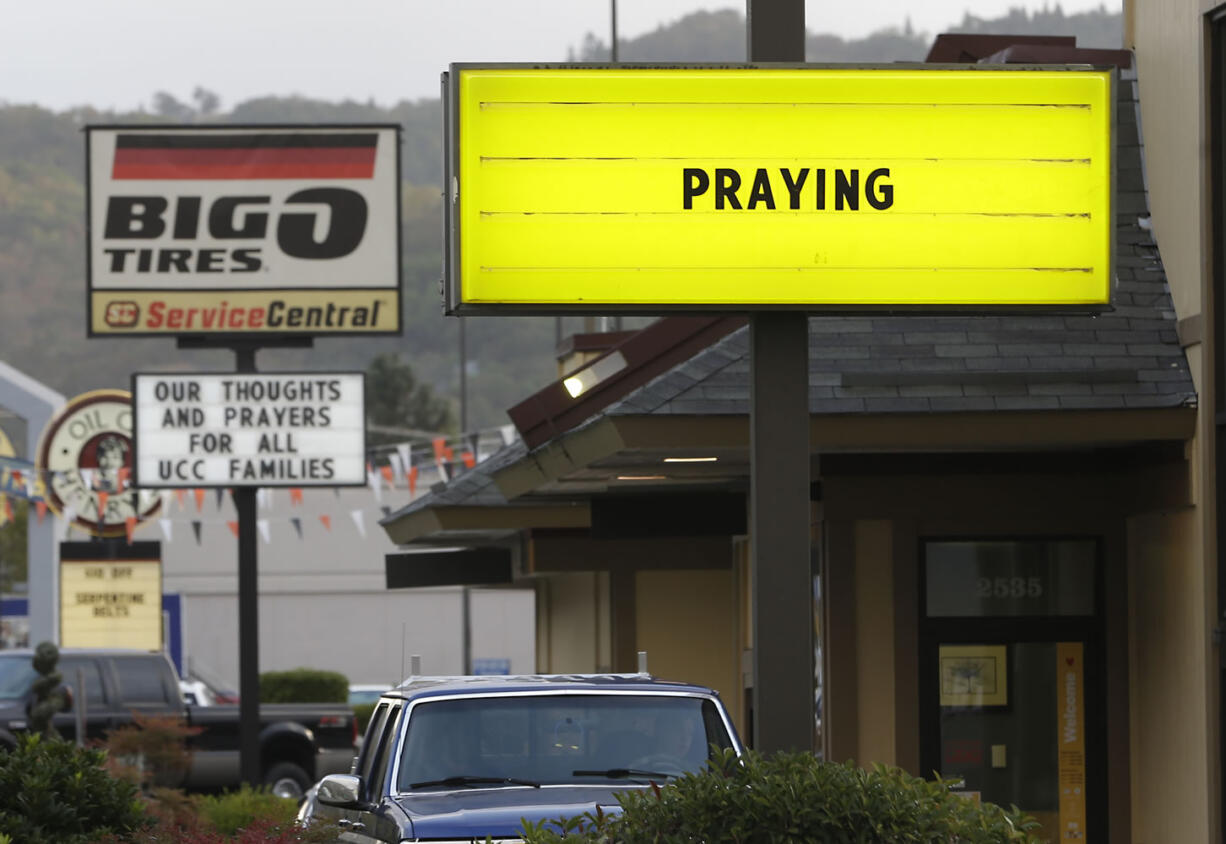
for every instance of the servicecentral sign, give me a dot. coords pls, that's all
(648, 188)
(269, 429)
(215, 231)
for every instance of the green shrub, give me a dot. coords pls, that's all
(361, 714)
(303, 685)
(228, 813)
(794, 797)
(53, 791)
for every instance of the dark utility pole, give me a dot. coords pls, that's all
(779, 468)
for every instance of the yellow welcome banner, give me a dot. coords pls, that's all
(1071, 757)
(644, 188)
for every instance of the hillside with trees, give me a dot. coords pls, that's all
(42, 222)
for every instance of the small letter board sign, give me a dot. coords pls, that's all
(294, 429)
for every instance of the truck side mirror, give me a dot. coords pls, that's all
(341, 790)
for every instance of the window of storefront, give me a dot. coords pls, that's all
(1010, 660)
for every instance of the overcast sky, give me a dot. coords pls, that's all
(117, 53)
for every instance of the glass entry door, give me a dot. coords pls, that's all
(1011, 707)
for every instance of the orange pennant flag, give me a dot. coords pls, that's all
(470, 459)
(413, 480)
(124, 471)
(129, 525)
(233, 526)
(103, 497)
(181, 495)
(295, 495)
(327, 521)
(199, 493)
(41, 508)
(387, 475)
(440, 449)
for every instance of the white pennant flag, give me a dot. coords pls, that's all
(87, 477)
(262, 526)
(261, 498)
(373, 478)
(397, 467)
(360, 521)
(167, 530)
(405, 452)
(508, 434)
(164, 499)
(70, 516)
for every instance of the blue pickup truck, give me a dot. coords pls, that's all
(462, 758)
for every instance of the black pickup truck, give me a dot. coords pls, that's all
(298, 742)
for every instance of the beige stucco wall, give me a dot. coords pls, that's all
(1172, 577)
(1168, 40)
(874, 585)
(571, 623)
(685, 620)
(1169, 652)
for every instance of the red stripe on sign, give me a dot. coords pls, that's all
(255, 163)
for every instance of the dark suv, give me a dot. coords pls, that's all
(463, 758)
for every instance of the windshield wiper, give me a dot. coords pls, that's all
(623, 774)
(465, 780)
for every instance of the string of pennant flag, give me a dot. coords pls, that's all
(406, 468)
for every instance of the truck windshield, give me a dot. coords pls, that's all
(16, 676)
(550, 739)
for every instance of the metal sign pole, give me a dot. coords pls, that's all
(779, 471)
(248, 613)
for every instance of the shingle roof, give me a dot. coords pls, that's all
(1128, 357)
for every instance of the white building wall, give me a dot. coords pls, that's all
(323, 602)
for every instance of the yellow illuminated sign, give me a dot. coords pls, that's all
(111, 604)
(639, 188)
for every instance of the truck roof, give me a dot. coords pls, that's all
(423, 686)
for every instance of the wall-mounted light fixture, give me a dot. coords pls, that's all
(592, 374)
(641, 477)
(690, 459)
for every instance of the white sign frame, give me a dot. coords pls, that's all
(199, 441)
(237, 230)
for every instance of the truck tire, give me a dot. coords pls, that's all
(285, 779)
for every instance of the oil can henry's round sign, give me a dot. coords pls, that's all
(85, 457)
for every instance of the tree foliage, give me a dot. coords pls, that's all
(396, 399)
